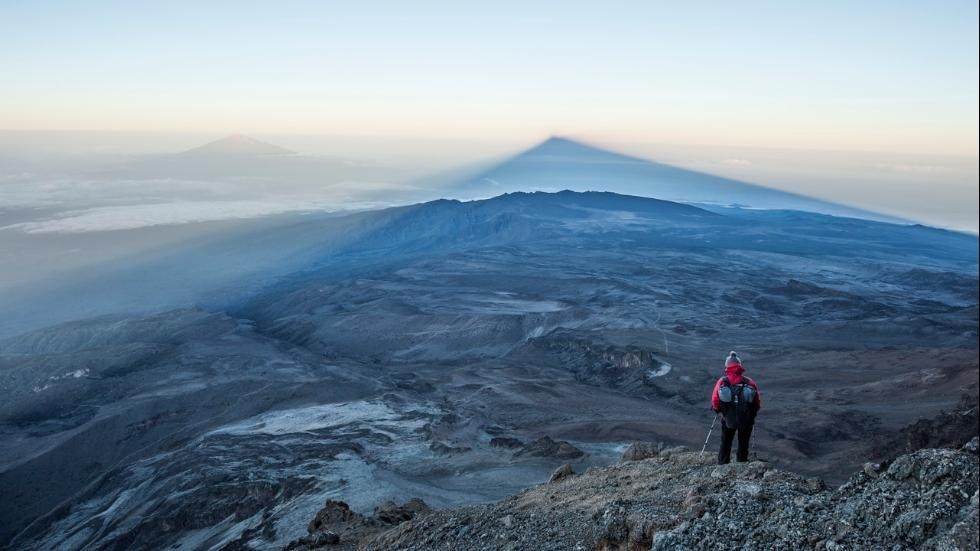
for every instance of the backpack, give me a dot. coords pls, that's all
(737, 402)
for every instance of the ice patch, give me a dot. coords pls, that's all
(77, 374)
(483, 304)
(305, 419)
(660, 371)
(536, 332)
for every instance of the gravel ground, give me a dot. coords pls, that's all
(678, 500)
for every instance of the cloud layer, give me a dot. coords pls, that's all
(158, 214)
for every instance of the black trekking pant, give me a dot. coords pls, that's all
(727, 437)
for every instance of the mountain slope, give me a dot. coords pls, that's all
(560, 163)
(232, 264)
(224, 267)
(435, 347)
(238, 145)
(678, 500)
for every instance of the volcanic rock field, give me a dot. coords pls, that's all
(460, 352)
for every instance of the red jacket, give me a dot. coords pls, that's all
(734, 374)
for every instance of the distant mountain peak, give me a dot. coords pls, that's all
(558, 140)
(563, 145)
(239, 145)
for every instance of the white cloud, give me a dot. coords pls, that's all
(737, 162)
(27, 190)
(158, 214)
(916, 168)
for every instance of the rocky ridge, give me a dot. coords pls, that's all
(675, 499)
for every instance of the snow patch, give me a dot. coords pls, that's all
(306, 419)
(660, 371)
(77, 374)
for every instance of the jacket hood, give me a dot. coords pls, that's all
(734, 373)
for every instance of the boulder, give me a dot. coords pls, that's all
(441, 448)
(320, 539)
(505, 442)
(638, 451)
(547, 447)
(561, 473)
(332, 514)
(390, 513)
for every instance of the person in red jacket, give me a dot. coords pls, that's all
(736, 398)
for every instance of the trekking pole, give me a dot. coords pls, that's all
(705, 446)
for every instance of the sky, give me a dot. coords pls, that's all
(870, 76)
(872, 104)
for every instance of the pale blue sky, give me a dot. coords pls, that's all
(852, 76)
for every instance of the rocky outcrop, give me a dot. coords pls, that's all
(548, 447)
(336, 526)
(641, 450)
(545, 446)
(952, 428)
(678, 500)
(446, 449)
(506, 442)
(629, 368)
(561, 473)
(391, 513)
(925, 500)
(332, 514)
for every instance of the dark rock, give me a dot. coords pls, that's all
(815, 485)
(949, 429)
(505, 442)
(390, 513)
(323, 538)
(445, 449)
(600, 363)
(611, 531)
(638, 451)
(674, 451)
(546, 447)
(561, 473)
(333, 513)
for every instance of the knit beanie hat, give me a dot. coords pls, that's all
(733, 360)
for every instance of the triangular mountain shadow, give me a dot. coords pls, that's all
(560, 163)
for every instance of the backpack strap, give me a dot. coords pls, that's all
(745, 381)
